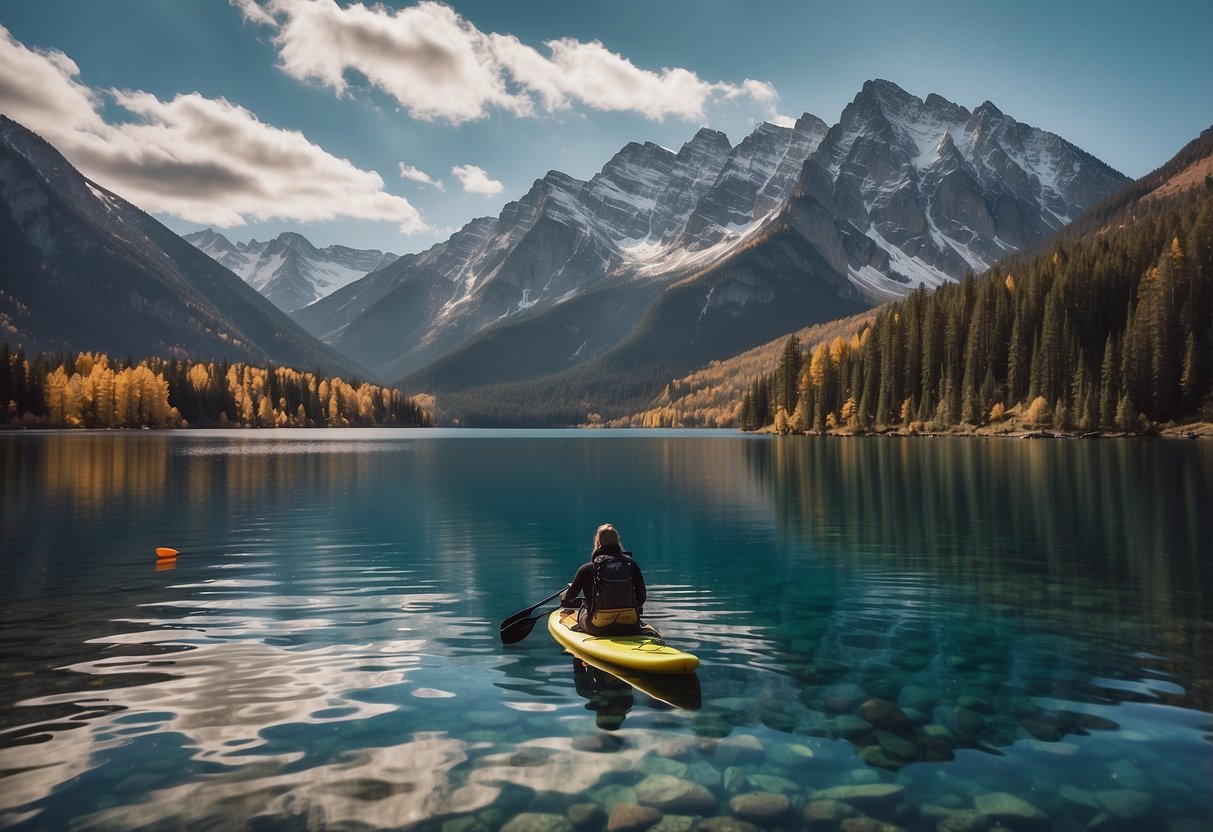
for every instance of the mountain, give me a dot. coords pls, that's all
(650, 213)
(940, 190)
(665, 260)
(1107, 328)
(289, 270)
(86, 270)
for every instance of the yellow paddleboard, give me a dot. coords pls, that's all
(645, 652)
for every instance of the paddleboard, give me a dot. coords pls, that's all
(645, 652)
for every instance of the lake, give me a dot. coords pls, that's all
(935, 634)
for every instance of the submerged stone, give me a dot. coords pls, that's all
(672, 794)
(1007, 808)
(773, 783)
(1126, 804)
(866, 824)
(465, 824)
(852, 726)
(740, 748)
(629, 817)
(538, 822)
(762, 808)
(897, 746)
(883, 714)
(585, 816)
(674, 823)
(866, 797)
(790, 755)
(725, 824)
(827, 814)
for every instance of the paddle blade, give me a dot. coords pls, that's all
(517, 631)
(519, 616)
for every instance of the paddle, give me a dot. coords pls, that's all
(519, 625)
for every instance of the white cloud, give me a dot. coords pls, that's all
(437, 65)
(205, 160)
(476, 180)
(417, 175)
(783, 121)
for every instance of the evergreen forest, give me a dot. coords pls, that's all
(1108, 330)
(91, 391)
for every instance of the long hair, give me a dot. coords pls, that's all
(606, 536)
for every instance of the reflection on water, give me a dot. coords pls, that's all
(951, 634)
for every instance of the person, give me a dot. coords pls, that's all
(613, 588)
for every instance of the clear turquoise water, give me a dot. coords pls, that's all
(998, 632)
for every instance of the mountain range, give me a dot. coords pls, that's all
(288, 269)
(86, 270)
(581, 293)
(666, 259)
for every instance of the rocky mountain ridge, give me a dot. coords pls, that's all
(289, 270)
(900, 192)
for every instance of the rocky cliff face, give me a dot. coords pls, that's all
(941, 190)
(289, 270)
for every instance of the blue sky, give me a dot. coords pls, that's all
(389, 126)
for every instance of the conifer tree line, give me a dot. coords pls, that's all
(91, 391)
(1109, 332)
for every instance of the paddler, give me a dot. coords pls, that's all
(613, 587)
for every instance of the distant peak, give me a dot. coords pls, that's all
(810, 123)
(887, 91)
(706, 136)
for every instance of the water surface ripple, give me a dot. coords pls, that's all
(931, 634)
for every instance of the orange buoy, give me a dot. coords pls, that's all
(165, 553)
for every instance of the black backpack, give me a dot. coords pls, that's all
(614, 588)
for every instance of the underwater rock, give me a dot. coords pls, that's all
(1008, 809)
(866, 824)
(705, 774)
(725, 824)
(661, 765)
(1042, 727)
(586, 816)
(611, 795)
(600, 743)
(962, 821)
(740, 748)
(1126, 804)
(538, 822)
(790, 755)
(827, 814)
(975, 703)
(852, 726)
(674, 823)
(672, 794)
(629, 817)
(465, 824)
(918, 698)
(675, 749)
(842, 699)
(877, 798)
(896, 746)
(762, 808)
(874, 755)
(773, 783)
(883, 714)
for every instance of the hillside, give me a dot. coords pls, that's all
(711, 397)
(1110, 330)
(85, 270)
